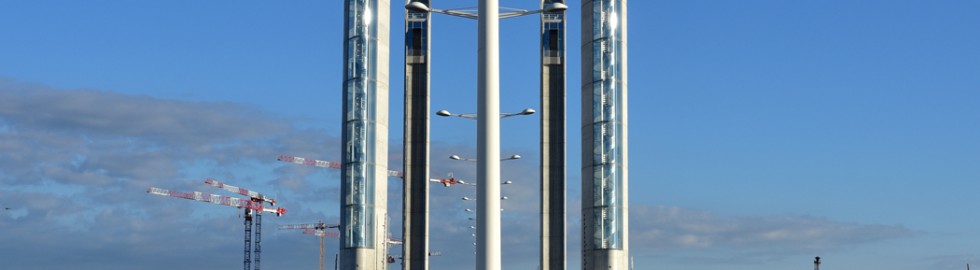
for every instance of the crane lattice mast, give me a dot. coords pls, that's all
(318, 229)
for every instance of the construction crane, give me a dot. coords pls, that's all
(326, 164)
(318, 229)
(253, 206)
(336, 165)
(242, 191)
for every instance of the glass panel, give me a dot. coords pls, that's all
(360, 93)
(607, 126)
(416, 42)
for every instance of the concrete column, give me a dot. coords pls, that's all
(605, 189)
(415, 201)
(553, 139)
(364, 185)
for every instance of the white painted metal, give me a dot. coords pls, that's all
(488, 137)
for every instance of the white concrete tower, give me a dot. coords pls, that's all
(553, 229)
(605, 222)
(364, 184)
(415, 195)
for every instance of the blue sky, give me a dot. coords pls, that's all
(763, 132)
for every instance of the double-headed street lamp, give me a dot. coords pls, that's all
(472, 116)
(470, 14)
(504, 198)
(455, 157)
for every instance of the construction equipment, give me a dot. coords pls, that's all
(451, 180)
(336, 165)
(253, 206)
(326, 164)
(318, 229)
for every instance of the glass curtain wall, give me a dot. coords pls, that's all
(360, 90)
(608, 90)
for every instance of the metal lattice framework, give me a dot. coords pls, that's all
(253, 206)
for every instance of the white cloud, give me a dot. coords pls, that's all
(677, 231)
(76, 164)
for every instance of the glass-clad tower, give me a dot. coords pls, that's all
(415, 228)
(552, 138)
(605, 242)
(364, 186)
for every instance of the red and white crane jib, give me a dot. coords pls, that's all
(239, 190)
(217, 199)
(310, 162)
(317, 226)
(322, 233)
(337, 165)
(326, 164)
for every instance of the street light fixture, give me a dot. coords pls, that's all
(472, 116)
(456, 157)
(471, 199)
(470, 14)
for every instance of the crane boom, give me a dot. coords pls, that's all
(316, 226)
(310, 162)
(239, 190)
(322, 233)
(326, 164)
(216, 199)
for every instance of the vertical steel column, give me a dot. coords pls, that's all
(322, 238)
(415, 200)
(552, 138)
(248, 239)
(605, 223)
(364, 183)
(488, 137)
(257, 260)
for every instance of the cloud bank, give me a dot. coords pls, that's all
(76, 164)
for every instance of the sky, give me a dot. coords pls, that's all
(764, 132)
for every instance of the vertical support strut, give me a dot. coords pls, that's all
(415, 196)
(322, 237)
(552, 138)
(248, 239)
(258, 240)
